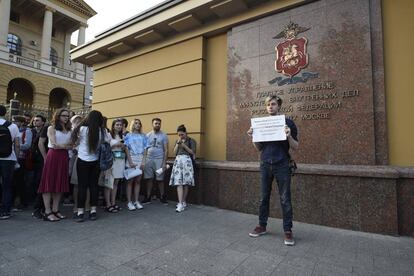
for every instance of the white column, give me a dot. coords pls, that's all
(47, 36)
(4, 26)
(81, 35)
(81, 40)
(66, 55)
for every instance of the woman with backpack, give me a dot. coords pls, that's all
(88, 136)
(120, 153)
(182, 175)
(55, 174)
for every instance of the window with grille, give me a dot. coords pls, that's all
(14, 43)
(53, 57)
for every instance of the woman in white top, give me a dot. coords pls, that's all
(55, 174)
(88, 136)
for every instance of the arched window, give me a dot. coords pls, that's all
(14, 43)
(53, 57)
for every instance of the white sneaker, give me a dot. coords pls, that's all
(138, 205)
(180, 208)
(131, 206)
(184, 204)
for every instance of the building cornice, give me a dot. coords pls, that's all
(80, 6)
(144, 32)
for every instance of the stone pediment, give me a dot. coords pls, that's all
(79, 6)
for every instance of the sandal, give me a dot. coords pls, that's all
(117, 208)
(111, 209)
(59, 215)
(48, 217)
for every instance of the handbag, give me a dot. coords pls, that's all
(131, 173)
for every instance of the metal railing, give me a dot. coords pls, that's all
(47, 112)
(36, 64)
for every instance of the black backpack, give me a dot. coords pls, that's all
(106, 158)
(6, 142)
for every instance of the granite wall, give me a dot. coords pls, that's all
(336, 99)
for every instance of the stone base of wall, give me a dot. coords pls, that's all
(377, 199)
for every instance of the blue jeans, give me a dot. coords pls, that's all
(280, 171)
(6, 173)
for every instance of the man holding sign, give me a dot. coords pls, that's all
(273, 136)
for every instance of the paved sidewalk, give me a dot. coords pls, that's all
(200, 241)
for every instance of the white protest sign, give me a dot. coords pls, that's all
(270, 128)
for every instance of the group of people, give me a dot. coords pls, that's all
(40, 162)
(69, 151)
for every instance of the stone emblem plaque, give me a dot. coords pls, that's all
(324, 72)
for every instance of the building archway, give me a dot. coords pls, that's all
(58, 98)
(24, 90)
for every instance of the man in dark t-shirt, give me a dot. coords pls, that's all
(274, 163)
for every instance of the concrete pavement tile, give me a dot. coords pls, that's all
(145, 263)
(341, 265)
(158, 272)
(175, 249)
(269, 245)
(288, 270)
(258, 265)
(338, 257)
(184, 265)
(45, 249)
(191, 260)
(136, 242)
(358, 271)
(3, 260)
(67, 269)
(245, 245)
(365, 261)
(390, 273)
(217, 245)
(10, 252)
(316, 250)
(65, 260)
(392, 265)
(326, 268)
(223, 263)
(110, 261)
(24, 266)
(197, 273)
(305, 263)
(121, 270)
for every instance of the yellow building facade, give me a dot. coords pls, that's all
(174, 62)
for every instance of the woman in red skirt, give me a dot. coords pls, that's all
(55, 175)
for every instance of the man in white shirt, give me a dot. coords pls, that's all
(7, 161)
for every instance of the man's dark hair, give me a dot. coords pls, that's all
(3, 110)
(27, 115)
(156, 119)
(41, 117)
